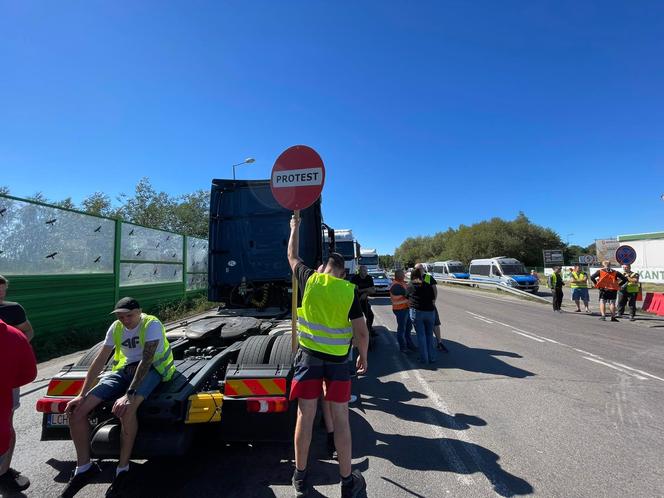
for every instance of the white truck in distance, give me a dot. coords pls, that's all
(349, 248)
(369, 258)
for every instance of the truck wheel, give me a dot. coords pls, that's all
(282, 351)
(87, 358)
(255, 350)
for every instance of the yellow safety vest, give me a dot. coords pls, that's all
(427, 278)
(631, 287)
(579, 276)
(322, 320)
(162, 361)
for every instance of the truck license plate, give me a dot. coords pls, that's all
(58, 420)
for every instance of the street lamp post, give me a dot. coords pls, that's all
(248, 160)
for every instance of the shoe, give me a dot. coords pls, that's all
(78, 481)
(577, 311)
(619, 316)
(632, 319)
(614, 319)
(603, 318)
(301, 485)
(588, 312)
(356, 485)
(118, 486)
(12, 480)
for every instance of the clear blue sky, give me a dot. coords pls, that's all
(427, 114)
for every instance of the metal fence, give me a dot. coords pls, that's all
(67, 268)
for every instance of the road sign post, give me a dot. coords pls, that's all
(297, 181)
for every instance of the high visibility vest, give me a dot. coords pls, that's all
(398, 302)
(607, 280)
(322, 320)
(579, 276)
(552, 280)
(162, 361)
(632, 288)
(427, 278)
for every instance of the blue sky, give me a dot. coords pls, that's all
(427, 114)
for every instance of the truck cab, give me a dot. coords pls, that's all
(369, 258)
(349, 248)
(233, 364)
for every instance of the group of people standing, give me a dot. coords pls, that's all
(414, 305)
(609, 282)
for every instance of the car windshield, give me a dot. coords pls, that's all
(456, 268)
(346, 249)
(517, 269)
(369, 260)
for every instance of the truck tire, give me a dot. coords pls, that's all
(255, 350)
(282, 351)
(87, 359)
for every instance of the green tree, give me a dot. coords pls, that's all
(386, 261)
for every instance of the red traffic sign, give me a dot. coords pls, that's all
(298, 176)
(625, 255)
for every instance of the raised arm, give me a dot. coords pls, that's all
(294, 242)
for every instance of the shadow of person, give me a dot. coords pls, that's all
(435, 454)
(481, 361)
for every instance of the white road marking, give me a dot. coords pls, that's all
(627, 372)
(528, 336)
(483, 320)
(634, 372)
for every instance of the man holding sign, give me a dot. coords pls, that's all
(329, 318)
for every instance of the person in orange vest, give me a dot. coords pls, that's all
(400, 310)
(608, 281)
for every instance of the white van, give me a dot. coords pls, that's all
(449, 269)
(504, 271)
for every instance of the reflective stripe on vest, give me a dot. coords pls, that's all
(398, 302)
(579, 276)
(162, 361)
(607, 280)
(322, 320)
(632, 288)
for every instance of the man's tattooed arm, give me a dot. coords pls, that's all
(143, 368)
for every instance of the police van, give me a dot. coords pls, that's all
(504, 271)
(449, 269)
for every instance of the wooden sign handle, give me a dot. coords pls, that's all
(296, 214)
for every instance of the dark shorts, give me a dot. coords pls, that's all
(607, 295)
(311, 373)
(436, 320)
(114, 385)
(580, 294)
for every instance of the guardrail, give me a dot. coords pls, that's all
(491, 285)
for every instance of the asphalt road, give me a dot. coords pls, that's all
(527, 401)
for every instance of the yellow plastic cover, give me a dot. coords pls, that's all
(204, 408)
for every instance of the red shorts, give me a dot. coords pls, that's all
(312, 372)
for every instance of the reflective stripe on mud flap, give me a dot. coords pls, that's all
(255, 387)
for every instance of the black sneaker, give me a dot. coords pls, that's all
(78, 481)
(632, 319)
(301, 485)
(118, 486)
(12, 480)
(614, 319)
(603, 318)
(356, 485)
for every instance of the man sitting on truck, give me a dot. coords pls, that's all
(329, 317)
(142, 360)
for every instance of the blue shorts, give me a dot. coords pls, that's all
(115, 384)
(580, 294)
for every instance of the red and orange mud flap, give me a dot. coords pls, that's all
(256, 406)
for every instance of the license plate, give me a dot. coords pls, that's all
(58, 420)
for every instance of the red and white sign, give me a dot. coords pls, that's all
(298, 176)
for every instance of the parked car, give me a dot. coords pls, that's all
(382, 282)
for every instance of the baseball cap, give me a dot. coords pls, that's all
(126, 304)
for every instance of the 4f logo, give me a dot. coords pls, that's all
(131, 342)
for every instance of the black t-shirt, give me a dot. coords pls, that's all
(362, 283)
(302, 273)
(12, 313)
(421, 296)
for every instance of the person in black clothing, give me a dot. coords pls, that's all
(421, 299)
(556, 284)
(365, 287)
